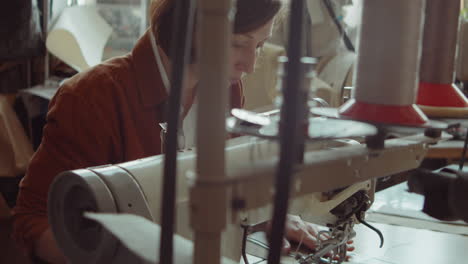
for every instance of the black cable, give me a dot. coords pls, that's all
(359, 213)
(289, 130)
(349, 45)
(379, 233)
(244, 243)
(180, 43)
(463, 157)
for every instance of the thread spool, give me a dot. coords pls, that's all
(388, 64)
(436, 89)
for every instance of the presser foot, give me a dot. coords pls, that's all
(334, 241)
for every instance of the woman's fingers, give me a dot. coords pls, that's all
(307, 234)
(311, 228)
(286, 246)
(309, 240)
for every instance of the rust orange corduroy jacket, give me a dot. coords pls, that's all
(106, 115)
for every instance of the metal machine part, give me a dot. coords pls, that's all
(346, 207)
(430, 124)
(307, 99)
(213, 27)
(103, 189)
(130, 187)
(339, 233)
(335, 241)
(350, 212)
(319, 128)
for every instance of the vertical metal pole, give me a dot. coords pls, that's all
(209, 201)
(290, 132)
(45, 30)
(180, 49)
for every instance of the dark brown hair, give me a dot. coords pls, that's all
(250, 15)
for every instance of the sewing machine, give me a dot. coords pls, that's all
(222, 187)
(132, 187)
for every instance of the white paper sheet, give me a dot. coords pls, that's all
(141, 236)
(78, 37)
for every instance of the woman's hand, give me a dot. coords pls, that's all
(304, 233)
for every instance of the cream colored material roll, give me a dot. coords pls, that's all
(389, 52)
(214, 25)
(139, 235)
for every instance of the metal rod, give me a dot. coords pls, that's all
(214, 27)
(289, 130)
(45, 30)
(181, 43)
(349, 45)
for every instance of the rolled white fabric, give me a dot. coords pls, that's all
(141, 236)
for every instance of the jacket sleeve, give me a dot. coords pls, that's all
(76, 135)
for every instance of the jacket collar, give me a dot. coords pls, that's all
(148, 78)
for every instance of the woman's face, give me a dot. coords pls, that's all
(245, 48)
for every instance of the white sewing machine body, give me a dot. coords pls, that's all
(135, 187)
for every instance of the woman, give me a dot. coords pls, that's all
(110, 114)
